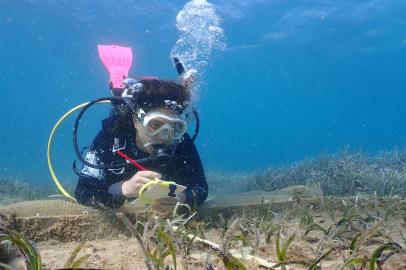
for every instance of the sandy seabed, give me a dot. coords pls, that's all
(126, 253)
(113, 247)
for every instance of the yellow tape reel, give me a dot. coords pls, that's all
(162, 183)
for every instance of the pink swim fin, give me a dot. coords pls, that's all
(117, 61)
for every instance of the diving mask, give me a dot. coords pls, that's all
(162, 125)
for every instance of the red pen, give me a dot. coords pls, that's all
(132, 161)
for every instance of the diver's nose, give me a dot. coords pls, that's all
(164, 135)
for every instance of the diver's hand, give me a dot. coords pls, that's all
(166, 204)
(131, 188)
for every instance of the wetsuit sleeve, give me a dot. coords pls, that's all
(91, 193)
(191, 172)
(96, 187)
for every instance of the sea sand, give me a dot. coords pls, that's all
(59, 227)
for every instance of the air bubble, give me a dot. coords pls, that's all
(200, 35)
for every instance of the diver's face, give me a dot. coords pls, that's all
(163, 137)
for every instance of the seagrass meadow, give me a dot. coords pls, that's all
(338, 211)
(344, 173)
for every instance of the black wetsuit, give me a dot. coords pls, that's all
(101, 187)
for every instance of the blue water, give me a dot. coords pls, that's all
(297, 78)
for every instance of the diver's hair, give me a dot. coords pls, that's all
(156, 94)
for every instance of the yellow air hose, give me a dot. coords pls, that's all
(50, 144)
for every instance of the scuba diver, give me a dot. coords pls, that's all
(149, 128)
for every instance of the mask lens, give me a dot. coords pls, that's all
(174, 125)
(178, 129)
(154, 125)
